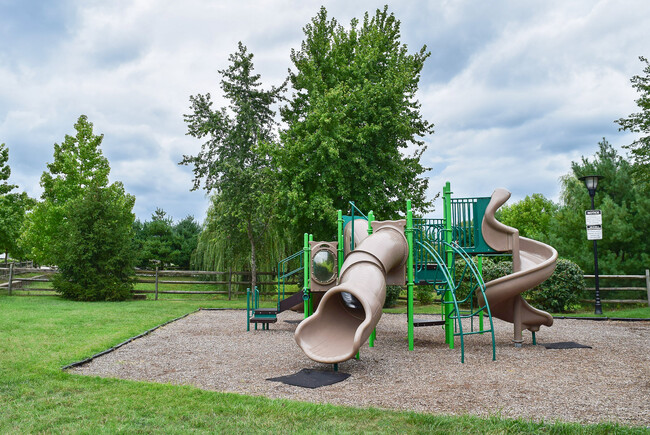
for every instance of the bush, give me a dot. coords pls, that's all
(559, 293)
(493, 270)
(425, 295)
(94, 248)
(392, 293)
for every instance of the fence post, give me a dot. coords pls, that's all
(11, 276)
(156, 282)
(647, 284)
(229, 282)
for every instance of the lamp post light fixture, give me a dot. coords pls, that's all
(591, 182)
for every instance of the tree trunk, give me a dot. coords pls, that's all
(251, 239)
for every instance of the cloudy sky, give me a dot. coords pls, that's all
(516, 89)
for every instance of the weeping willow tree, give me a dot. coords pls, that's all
(220, 249)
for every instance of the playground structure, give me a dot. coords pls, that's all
(346, 280)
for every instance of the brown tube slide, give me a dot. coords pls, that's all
(532, 263)
(349, 312)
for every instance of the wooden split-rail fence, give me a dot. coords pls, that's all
(606, 289)
(231, 283)
(234, 283)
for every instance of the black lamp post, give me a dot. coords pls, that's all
(591, 182)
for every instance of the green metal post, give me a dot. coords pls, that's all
(305, 288)
(373, 334)
(449, 324)
(248, 309)
(409, 273)
(352, 226)
(340, 240)
(480, 271)
(311, 297)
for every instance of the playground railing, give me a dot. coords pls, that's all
(288, 268)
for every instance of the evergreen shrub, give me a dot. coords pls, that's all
(392, 293)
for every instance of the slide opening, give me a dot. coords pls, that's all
(331, 338)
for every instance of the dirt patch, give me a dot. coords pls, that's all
(212, 350)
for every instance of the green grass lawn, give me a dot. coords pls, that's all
(39, 335)
(639, 312)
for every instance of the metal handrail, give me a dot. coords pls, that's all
(283, 274)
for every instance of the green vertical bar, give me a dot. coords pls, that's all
(340, 240)
(352, 226)
(305, 262)
(311, 298)
(373, 334)
(256, 303)
(248, 309)
(480, 271)
(409, 273)
(449, 324)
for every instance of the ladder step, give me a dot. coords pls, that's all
(423, 322)
(266, 311)
(263, 319)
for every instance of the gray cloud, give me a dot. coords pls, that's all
(517, 90)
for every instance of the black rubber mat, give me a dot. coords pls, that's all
(308, 378)
(566, 345)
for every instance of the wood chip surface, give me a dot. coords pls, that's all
(212, 350)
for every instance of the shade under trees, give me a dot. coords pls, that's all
(351, 121)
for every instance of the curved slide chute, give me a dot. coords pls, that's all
(532, 263)
(348, 313)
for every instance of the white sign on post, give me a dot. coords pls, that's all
(594, 221)
(594, 217)
(594, 232)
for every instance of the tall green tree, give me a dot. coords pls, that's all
(13, 212)
(83, 224)
(5, 171)
(13, 209)
(78, 163)
(156, 240)
(350, 122)
(186, 235)
(532, 216)
(161, 241)
(640, 123)
(231, 162)
(624, 201)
